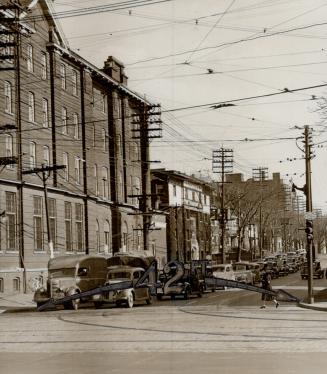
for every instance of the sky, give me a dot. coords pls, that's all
(188, 55)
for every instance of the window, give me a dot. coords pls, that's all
(97, 236)
(120, 185)
(77, 170)
(37, 223)
(45, 113)
(65, 162)
(63, 76)
(9, 149)
(93, 136)
(174, 189)
(68, 226)
(64, 120)
(96, 182)
(44, 66)
(118, 108)
(106, 236)
(105, 183)
(74, 82)
(46, 158)
(137, 189)
(2, 285)
(76, 126)
(32, 155)
(53, 221)
(11, 220)
(79, 227)
(30, 58)
(103, 103)
(31, 107)
(16, 284)
(8, 97)
(104, 141)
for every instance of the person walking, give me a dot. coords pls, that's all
(266, 284)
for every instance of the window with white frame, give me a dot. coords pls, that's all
(68, 227)
(106, 232)
(137, 189)
(8, 97)
(97, 236)
(46, 155)
(9, 149)
(53, 221)
(45, 113)
(11, 217)
(63, 76)
(31, 107)
(32, 155)
(16, 284)
(44, 66)
(64, 120)
(30, 58)
(65, 161)
(37, 223)
(103, 102)
(120, 184)
(105, 186)
(74, 82)
(76, 126)
(96, 181)
(79, 227)
(78, 163)
(104, 141)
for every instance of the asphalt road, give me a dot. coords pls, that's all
(224, 331)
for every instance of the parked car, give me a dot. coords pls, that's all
(256, 270)
(178, 279)
(68, 275)
(243, 273)
(224, 271)
(318, 272)
(127, 296)
(284, 268)
(273, 269)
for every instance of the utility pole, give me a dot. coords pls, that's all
(309, 224)
(44, 176)
(309, 214)
(222, 163)
(260, 174)
(148, 125)
(11, 33)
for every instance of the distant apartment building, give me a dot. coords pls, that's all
(77, 127)
(186, 202)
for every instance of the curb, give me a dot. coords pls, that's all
(312, 307)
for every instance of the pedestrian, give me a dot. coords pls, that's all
(266, 284)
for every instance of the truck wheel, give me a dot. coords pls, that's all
(159, 297)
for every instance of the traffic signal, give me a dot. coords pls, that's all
(309, 229)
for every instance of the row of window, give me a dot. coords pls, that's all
(38, 224)
(190, 194)
(30, 64)
(15, 285)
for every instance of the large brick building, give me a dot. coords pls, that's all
(57, 109)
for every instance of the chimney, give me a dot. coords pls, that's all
(115, 69)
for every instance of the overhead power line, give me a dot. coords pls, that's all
(219, 104)
(255, 37)
(99, 9)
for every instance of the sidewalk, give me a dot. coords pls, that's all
(319, 306)
(17, 302)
